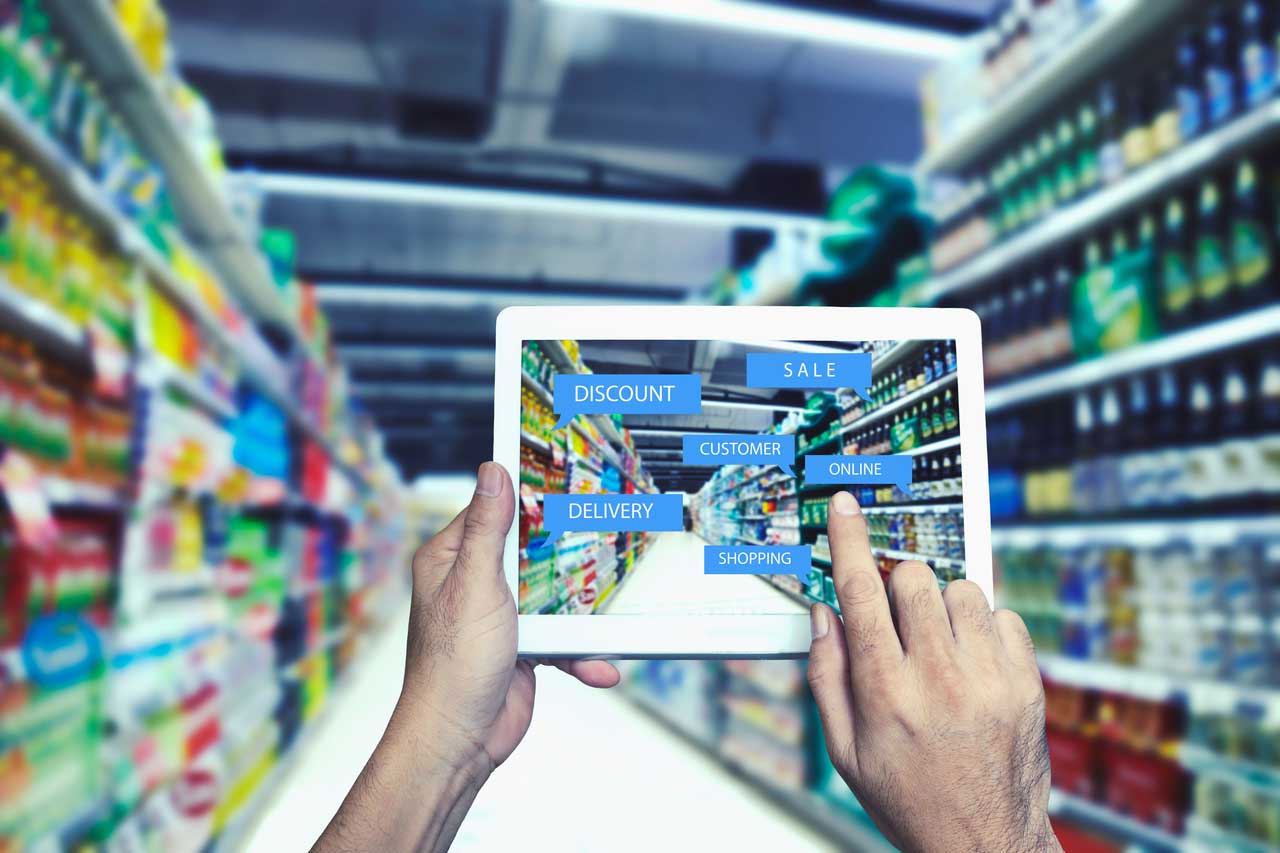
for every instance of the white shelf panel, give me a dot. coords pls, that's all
(1121, 26)
(941, 562)
(1076, 218)
(1235, 331)
(1140, 532)
(1098, 815)
(1144, 683)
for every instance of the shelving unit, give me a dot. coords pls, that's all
(1239, 330)
(1121, 26)
(91, 27)
(153, 608)
(1032, 540)
(1075, 219)
(1150, 837)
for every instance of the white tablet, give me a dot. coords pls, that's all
(674, 466)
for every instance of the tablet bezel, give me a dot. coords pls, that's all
(605, 636)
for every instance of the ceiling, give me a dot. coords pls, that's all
(530, 96)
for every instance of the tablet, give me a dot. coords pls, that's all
(675, 464)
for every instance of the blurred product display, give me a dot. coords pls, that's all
(1114, 224)
(912, 411)
(579, 572)
(190, 550)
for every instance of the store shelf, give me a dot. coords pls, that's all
(535, 386)
(933, 446)
(844, 828)
(901, 403)
(1111, 822)
(1075, 219)
(937, 562)
(1223, 530)
(1123, 25)
(1143, 683)
(1198, 760)
(530, 440)
(916, 508)
(47, 327)
(91, 26)
(157, 369)
(893, 355)
(61, 491)
(749, 540)
(50, 331)
(1204, 837)
(1235, 331)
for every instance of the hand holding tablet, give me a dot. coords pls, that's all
(675, 466)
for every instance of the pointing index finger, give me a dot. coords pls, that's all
(873, 642)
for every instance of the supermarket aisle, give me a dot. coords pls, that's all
(669, 579)
(594, 774)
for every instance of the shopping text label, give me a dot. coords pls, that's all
(626, 394)
(859, 470)
(573, 513)
(714, 449)
(811, 371)
(757, 560)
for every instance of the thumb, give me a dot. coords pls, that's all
(488, 519)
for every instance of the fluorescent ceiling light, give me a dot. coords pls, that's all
(408, 296)
(690, 431)
(731, 404)
(789, 346)
(784, 23)
(445, 195)
(379, 354)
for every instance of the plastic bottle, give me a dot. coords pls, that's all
(1188, 86)
(1252, 248)
(1257, 52)
(1176, 267)
(1213, 270)
(1221, 69)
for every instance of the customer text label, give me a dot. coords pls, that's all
(811, 371)
(715, 449)
(859, 470)
(573, 513)
(757, 560)
(626, 394)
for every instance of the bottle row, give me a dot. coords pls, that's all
(1198, 432)
(1204, 252)
(1219, 69)
(934, 362)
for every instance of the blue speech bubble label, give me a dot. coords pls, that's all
(573, 513)
(757, 560)
(811, 371)
(738, 449)
(859, 470)
(626, 394)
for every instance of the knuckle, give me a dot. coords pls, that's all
(860, 588)
(920, 601)
(911, 575)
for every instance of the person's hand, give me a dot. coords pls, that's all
(461, 669)
(931, 705)
(466, 702)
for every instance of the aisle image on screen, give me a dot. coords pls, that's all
(673, 477)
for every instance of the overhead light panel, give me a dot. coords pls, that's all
(780, 22)
(447, 195)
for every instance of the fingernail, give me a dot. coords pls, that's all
(489, 480)
(844, 504)
(818, 622)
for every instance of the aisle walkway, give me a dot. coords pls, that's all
(594, 774)
(668, 579)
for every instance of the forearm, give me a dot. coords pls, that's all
(407, 797)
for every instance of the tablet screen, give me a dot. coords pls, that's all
(686, 477)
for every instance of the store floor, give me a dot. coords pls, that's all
(593, 774)
(668, 579)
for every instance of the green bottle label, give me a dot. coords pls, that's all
(1213, 275)
(949, 418)
(1178, 284)
(1250, 255)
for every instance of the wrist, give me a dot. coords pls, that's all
(439, 745)
(1035, 835)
